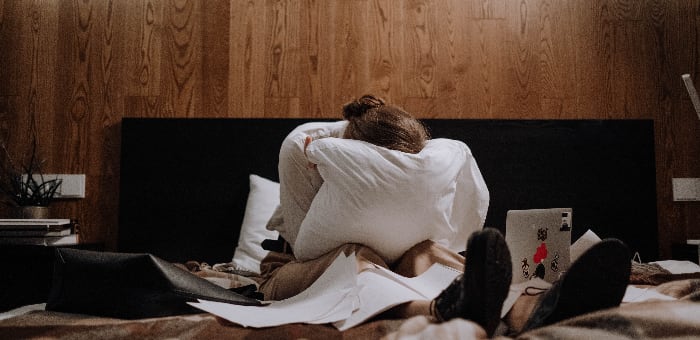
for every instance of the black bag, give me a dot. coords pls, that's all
(129, 286)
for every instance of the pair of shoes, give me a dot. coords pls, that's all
(597, 280)
(478, 294)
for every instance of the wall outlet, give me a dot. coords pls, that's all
(72, 186)
(686, 189)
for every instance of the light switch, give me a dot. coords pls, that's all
(72, 185)
(686, 189)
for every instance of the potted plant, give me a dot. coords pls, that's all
(25, 189)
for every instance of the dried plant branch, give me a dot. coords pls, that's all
(21, 187)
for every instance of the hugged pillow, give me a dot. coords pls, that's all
(389, 200)
(263, 198)
(298, 185)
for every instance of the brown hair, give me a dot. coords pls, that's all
(371, 120)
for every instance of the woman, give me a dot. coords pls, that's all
(313, 161)
(371, 120)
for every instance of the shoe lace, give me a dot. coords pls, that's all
(537, 291)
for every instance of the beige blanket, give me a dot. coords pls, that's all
(645, 320)
(53, 325)
(649, 320)
(676, 319)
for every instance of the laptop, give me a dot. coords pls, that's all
(539, 241)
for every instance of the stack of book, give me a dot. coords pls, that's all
(38, 231)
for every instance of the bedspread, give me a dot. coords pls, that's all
(644, 320)
(676, 319)
(42, 324)
(651, 320)
(647, 320)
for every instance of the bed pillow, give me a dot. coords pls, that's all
(390, 200)
(263, 198)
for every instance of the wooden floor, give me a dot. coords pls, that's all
(70, 70)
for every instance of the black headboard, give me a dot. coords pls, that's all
(184, 182)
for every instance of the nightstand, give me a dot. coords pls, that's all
(27, 272)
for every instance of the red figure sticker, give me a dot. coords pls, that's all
(540, 254)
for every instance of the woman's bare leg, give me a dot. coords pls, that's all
(520, 312)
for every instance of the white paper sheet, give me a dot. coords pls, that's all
(428, 285)
(585, 242)
(22, 310)
(329, 299)
(381, 289)
(678, 267)
(634, 294)
(340, 296)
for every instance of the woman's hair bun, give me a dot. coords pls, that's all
(360, 106)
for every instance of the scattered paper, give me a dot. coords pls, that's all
(584, 242)
(340, 296)
(22, 310)
(428, 284)
(381, 289)
(634, 294)
(329, 299)
(678, 267)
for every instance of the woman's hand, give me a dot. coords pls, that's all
(308, 141)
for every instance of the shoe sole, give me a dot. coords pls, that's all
(597, 280)
(489, 270)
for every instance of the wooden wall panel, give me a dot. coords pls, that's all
(634, 89)
(314, 59)
(9, 24)
(142, 33)
(593, 36)
(182, 71)
(78, 93)
(72, 69)
(246, 47)
(215, 51)
(102, 143)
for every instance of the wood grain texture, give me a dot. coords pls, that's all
(182, 73)
(72, 69)
(246, 50)
(215, 50)
(8, 40)
(143, 34)
(314, 65)
(103, 142)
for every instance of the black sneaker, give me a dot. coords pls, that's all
(478, 294)
(597, 280)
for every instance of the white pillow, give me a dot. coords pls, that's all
(298, 184)
(263, 199)
(390, 200)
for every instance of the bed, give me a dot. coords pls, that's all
(185, 188)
